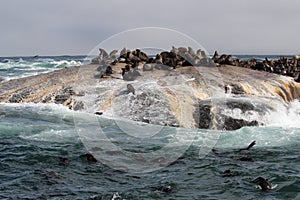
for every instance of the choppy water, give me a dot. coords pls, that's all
(17, 67)
(33, 138)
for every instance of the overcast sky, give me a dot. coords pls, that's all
(74, 27)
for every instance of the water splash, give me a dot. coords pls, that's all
(14, 67)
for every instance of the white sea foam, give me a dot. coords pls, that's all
(281, 128)
(264, 137)
(267, 111)
(19, 68)
(52, 122)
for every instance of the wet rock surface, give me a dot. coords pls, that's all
(203, 116)
(180, 94)
(53, 87)
(237, 89)
(18, 97)
(209, 114)
(234, 124)
(147, 106)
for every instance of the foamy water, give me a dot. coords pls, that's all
(18, 67)
(33, 137)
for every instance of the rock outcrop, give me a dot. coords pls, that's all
(186, 96)
(53, 87)
(283, 66)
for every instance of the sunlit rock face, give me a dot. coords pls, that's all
(191, 97)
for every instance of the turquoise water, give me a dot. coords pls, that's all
(17, 67)
(33, 138)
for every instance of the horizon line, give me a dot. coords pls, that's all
(74, 55)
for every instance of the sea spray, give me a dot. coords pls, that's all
(14, 67)
(267, 111)
(35, 136)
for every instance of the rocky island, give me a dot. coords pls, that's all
(180, 87)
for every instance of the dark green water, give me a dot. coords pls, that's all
(34, 137)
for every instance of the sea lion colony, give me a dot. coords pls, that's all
(166, 60)
(180, 57)
(282, 66)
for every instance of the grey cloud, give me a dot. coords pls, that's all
(75, 27)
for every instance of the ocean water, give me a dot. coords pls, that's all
(34, 138)
(261, 57)
(18, 67)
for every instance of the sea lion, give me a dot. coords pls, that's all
(101, 70)
(297, 77)
(158, 59)
(141, 55)
(268, 68)
(114, 62)
(135, 64)
(182, 50)
(164, 188)
(228, 60)
(102, 54)
(174, 50)
(122, 60)
(123, 71)
(130, 75)
(98, 113)
(189, 60)
(191, 51)
(127, 68)
(95, 61)
(52, 174)
(123, 53)
(215, 57)
(113, 53)
(136, 73)
(266, 59)
(63, 161)
(228, 173)
(164, 55)
(104, 70)
(199, 54)
(108, 70)
(203, 54)
(151, 60)
(248, 147)
(235, 151)
(89, 157)
(126, 56)
(168, 58)
(131, 57)
(130, 88)
(248, 159)
(221, 59)
(263, 183)
(296, 57)
(259, 66)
